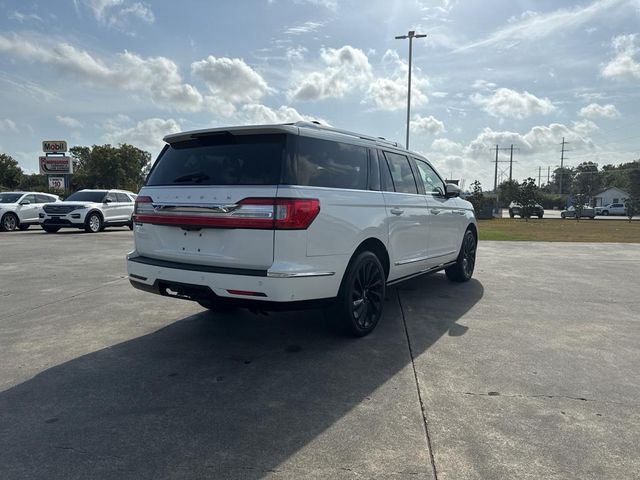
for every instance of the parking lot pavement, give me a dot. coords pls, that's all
(527, 371)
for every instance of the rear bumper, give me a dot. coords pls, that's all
(200, 282)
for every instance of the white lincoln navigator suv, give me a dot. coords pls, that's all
(289, 216)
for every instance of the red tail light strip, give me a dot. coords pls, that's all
(251, 213)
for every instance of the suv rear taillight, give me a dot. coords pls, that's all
(258, 213)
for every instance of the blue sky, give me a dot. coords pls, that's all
(502, 72)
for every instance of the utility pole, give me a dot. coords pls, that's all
(562, 163)
(495, 176)
(411, 35)
(539, 173)
(548, 174)
(511, 163)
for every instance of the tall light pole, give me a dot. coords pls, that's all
(411, 35)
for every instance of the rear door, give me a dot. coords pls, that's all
(206, 200)
(406, 216)
(125, 206)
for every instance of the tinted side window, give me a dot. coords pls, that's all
(374, 171)
(123, 197)
(385, 174)
(45, 199)
(401, 173)
(325, 163)
(30, 199)
(432, 182)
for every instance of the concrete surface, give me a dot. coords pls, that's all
(528, 371)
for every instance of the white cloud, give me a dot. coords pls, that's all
(541, 139)
(347, 68)
(157, 76)
(505, 102)
(8, 125)
(439, 94)
(147, 134)
(296, 54)
(534, 27)
(329, 4)
(390, 93)
(117, 12)
(444, 145)
(623, 64)
(23, 17)
(306, 27)
(428, 124)
(595, 110)
(481, 84)
(261, 114)
(69, 122)
(231, 78)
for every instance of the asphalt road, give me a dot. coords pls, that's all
(529, 371)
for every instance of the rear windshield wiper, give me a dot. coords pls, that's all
(192, 177)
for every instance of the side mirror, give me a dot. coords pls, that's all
(108, 200)
(452, 190)
(25, 202)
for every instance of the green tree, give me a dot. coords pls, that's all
(105, 166)
(10, 171)
(619, 175)
(477, 197)
(527, 196)
(633, 202)
(587, 180)
(566, 174)
(579, 200)
(507, 191)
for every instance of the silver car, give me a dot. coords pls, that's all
(587, 212)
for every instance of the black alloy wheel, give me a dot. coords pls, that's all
(362, 295)
(462, 270)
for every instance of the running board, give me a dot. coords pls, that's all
(435, 269)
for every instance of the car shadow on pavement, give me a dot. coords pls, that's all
(228, 396)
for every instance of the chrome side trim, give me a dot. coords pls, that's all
(411, 260)
(299, 274)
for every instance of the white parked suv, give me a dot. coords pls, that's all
(295, 215)
(91, 210)
(612, 209)
(20, 209)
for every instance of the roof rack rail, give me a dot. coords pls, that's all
(318, 126)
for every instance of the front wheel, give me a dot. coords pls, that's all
(360, 301)
(9, 222)
(93, 224)
(605, 213)
(462, 270)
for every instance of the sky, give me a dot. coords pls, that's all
(504, 72)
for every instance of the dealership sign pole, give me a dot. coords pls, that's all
(56, 164)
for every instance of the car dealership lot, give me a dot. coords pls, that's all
(528, 371)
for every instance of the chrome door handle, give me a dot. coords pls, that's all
(397, 211)
(435, 211)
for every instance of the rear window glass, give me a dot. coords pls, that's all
(223, 159)
(326, 163)
(123, 198)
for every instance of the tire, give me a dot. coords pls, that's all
(93, 223)
(130, 224)
(511, 215)
(23, 226)
(462, 270)
(605, 212)
(9, 222)
(539, 216)
(562, 215)
(360, 300)
(50, 229)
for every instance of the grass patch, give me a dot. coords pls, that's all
(560, 230)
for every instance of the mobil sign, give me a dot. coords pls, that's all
(51, 165)
(54, 146)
